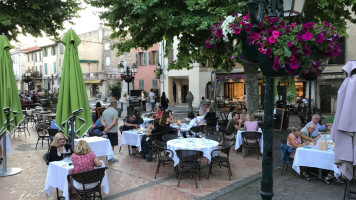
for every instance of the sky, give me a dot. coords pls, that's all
(88, 21)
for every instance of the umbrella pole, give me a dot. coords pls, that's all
(72, 132)
(7, 171)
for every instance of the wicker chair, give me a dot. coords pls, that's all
(167, 137)
(251, 141)
(189, 165)
(163, 160)
(211, 125)
(87, 177)
(197, 130)
(51, 133)
(222, 161)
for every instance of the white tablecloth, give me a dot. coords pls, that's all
(132, 138)
(192, 144)
(147, 120)
(57, 178)
(100, 146)
(183, 127)
(239, 140)
(311, 156)
(8, 144)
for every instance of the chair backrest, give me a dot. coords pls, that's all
(46, 158)
(213, 137)
(159, 144)
(189, 155)
(225, 148)
(211, 122)
(167, 137)
(40, 128)
(251, 137)
(121, 128)
(91, 176)
(52, 131)
(158, 136)
(198, 129)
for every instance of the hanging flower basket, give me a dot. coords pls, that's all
(265, 63)
(249, 51)
(128, 78)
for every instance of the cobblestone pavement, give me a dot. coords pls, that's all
(130, 178)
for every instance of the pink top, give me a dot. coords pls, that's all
(297, 140)
(251, 125)
(83, 162)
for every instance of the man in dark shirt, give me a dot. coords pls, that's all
(130, 123)
(233, 125)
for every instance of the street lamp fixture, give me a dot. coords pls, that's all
(128, 75)
(276, 8)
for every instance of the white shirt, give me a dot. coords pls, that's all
(152, 95)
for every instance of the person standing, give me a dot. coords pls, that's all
(143, 100)
(152, 96)
(164, 101)
(109, 121)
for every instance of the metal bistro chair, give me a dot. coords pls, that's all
(222, 161)
(23, 127)
(163, 160)
(251, 141)
(189, 163)
(167, 137)
(86, 177)
(42, 134)
(213, 137)
(211, 125)
(196, 130)
(51, 133)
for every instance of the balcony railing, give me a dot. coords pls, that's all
(99, 76)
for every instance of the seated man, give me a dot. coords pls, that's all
(130, 123)
(318, 127)
(97, 128)
(308, 130)
(233, 126)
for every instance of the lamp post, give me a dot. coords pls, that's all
(276, 8)
(127, 74)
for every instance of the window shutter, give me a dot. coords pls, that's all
(54, 68)
(141, 84)
(157, 58)
(150, 58)
(154, 84)
(144, 58)
(137, 59)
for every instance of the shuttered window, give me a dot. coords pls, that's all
(150, 58)
(144, 59)
(154, 84)
(141, 84)
(137, 59)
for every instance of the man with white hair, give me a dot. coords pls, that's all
(318, 127)
(308, 130)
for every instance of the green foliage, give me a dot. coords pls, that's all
(144, 23)
(115, 89)
(35, 17)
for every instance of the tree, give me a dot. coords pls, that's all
(35, 17)
(115, 89)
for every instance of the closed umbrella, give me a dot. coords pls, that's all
(11, 111)
(73, 104)
(343, 132)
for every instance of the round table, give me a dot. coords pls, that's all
(197, 144)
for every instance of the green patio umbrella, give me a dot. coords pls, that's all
(73, 100)
(11, 111)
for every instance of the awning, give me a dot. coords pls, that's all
(92, 81)
(89, 61)
(230, 76)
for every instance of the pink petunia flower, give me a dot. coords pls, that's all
(293, 65)
(307, 36)
(319, 38)
(272, 39)
(290, 44)
(308, 25)
(275, 34)
(237, 30)
(219, 32)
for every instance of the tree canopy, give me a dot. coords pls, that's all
(144, 23)
(35, 17)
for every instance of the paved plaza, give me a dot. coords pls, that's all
(133, 177)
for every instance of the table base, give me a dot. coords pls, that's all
(318, 177)
(10, 171)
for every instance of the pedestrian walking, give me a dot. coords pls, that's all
(164, 101)
(152, 96)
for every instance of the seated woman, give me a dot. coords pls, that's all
(58, 148)
(210, 113)
(170, 118)
(203, 110)
(243, 115)
(295, 140)
(146, 141)
(251, 124)
(84, 159)
(158, 113)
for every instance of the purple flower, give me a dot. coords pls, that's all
(232, 57)
(219, 32)
(272, 39)
(237, 30)
(207, 43)
(269, 52)
(335, 52)
(273, 28)
(292, 58)
(319, 38)
(293, 65)
(326, 23)
(276, 64)
(299, 37)
(308, 25)
(254, 35)
(307, 36)
(306, 50)
(263, 51)
(272, 20)
(290, 44)
(275, 34)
